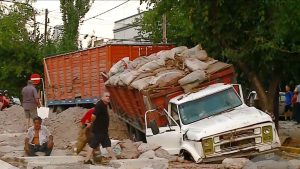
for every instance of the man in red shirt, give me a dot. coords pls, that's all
(4, 102)
(84, 131)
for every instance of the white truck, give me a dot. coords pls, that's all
(212, 123)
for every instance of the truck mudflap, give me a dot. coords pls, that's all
(246, 154)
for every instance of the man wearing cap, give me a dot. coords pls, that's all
(30, 102)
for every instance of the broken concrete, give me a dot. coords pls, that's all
(235, 163)
(5, 165)
(157, 163)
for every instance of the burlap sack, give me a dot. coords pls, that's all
(167, 78)
(198, 75)
(138, 62)
(82, 140)
(179, 49)
(195, 64)
(118, 67)
(150, 66)
(129, 76)
(195, 52)
(142, 84)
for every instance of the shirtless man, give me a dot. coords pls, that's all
(38, 138)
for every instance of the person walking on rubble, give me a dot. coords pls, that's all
(38, 139)
(99, 129)
(30, 102)
(297, 104)
(84, 133)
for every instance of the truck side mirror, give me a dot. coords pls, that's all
(154, 127)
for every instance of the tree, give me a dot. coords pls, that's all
(261, 38)
(72, 12)
(20, 52)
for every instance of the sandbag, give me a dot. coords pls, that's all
(190, 86)
(129, 76)
(150, 66)
(138, 62)
(198, 75)
(195, 52)
(142, 84)
(143, 75)
(118, 67)
(167, 78)
(166, 54)
(195, 64)
(179, 49)
(113, 80)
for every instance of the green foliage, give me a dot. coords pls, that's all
(261, 38)
(72, 12)
(20, 53)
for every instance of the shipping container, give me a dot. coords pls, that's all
(75, 78)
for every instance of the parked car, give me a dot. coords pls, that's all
(252, 97)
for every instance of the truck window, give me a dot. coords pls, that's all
(174, 113)
(210, 105)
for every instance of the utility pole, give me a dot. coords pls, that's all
(46, 23)
(164, 39)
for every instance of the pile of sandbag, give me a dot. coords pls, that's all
(178, 66)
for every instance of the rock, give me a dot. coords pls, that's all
(235, 163)
(148, 154)
(129, 150)
(294, 164)
(157, 163)
(250, 165)
(146, 147)
(162, 153)
(271, 164)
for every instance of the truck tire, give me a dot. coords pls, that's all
(59, 109)
(186, 155)
(135, 134)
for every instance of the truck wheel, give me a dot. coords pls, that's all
(187, 156)
(59, 109)
(139, 136)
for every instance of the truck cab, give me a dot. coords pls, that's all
(211, 123)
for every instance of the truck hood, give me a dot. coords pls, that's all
(240, 117)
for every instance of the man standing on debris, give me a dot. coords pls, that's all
(38, 139)
(99, 131)
(30, 102)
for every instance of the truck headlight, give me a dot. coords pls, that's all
(267, 134)
(207, 145)
(257, 131)
(216, 139)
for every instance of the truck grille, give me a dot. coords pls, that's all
(236, 140)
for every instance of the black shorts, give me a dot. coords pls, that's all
(97, 139)
(288, 108)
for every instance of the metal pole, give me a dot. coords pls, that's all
(44, 93)
(46, 23)
(164, 28)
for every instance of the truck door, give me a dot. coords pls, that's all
(166, 135)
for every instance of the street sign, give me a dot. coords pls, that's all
(35, 78)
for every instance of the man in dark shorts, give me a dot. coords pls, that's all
(99, 131)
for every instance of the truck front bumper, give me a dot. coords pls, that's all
(246, 154)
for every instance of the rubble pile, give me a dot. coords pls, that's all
(12, 120)
(178, 66)
(66, 125)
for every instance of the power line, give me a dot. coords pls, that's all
(106, 11)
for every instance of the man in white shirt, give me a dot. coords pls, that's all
(38, 138)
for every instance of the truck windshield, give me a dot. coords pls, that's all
(208, 106)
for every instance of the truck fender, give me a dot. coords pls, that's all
(190, 148)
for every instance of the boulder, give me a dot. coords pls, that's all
(234, 163)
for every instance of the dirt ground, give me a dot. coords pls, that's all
(65, 126)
